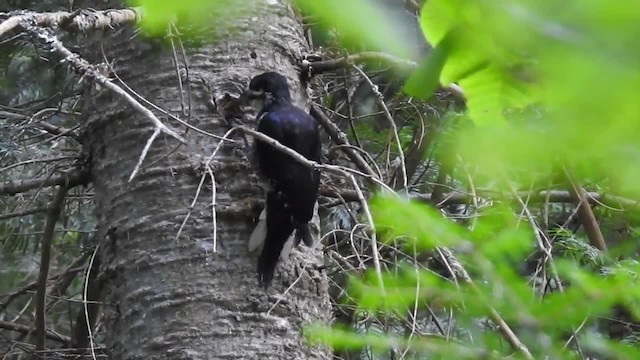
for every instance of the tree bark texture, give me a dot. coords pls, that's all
(169, 298)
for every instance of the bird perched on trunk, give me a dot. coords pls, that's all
(292, 187)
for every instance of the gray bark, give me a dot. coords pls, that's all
(176, 299)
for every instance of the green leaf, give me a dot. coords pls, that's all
(425, 78)
(489, 93)
(420, 223)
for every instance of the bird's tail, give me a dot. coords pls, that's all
(279, 227)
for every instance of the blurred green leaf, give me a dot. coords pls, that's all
(425, 78)
(361, 22)
(420, 223)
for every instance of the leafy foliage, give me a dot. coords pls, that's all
(578, 65)
(550, 88)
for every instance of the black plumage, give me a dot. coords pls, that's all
(293, 186)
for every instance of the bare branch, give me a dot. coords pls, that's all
(143, 155)
(70, 179)
(82, 20)
(58, 130)
(455, 198)
(22, 213)
(33, 161)
(312, 164)
(84, 68)
(25, 329)
(340, 138)
(404, 65)
(89, 314)
(199, 188)
(374, 241)
(585, 214)
(75, 267)
(393, 125)
(318, 67)
(45, 257)
(503, 327)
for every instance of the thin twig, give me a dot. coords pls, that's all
(22, 213)
(318, 67)
(33, 161)
(340, 138)
(75, 267)
(85, 304)
(202, 178)
(161, 110)
(393, 125)
(402, 65)
(145, 150)
(503, 327)
(213, 208)
(312, 164)
(374, 241)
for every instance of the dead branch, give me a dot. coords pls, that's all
(70, 179)
(25, 330)
(460, 273)
(374, 242)
(341, 170)
(84, 68)
(392, 124)
(33, 161)
(318, 67)
(45, 257)
(75, 267)
(585, 214)
(403, 65)
(22, 213)
(58, 130)
(207, 166)
(78, 21)
(340, 138)
(83, 332)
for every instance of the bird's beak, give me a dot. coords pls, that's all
(252, 98)
(253, 94)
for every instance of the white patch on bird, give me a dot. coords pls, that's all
(288, 246)
(259, 234)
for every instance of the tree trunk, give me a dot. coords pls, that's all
(169, 298)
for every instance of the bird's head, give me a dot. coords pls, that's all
(268, 87)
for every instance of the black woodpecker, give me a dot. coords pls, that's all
(292, 187)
